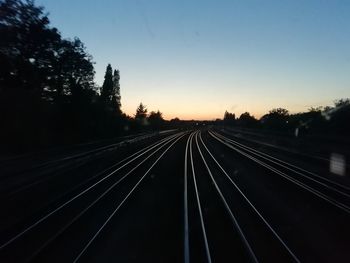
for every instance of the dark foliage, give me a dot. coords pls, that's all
(155, 120)
(276, 119)
(141, 121)
(47, 90)
(330, 121)
(229, 119)
(248, 121)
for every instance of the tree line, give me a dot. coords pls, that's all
(47, 91)
(330, 120)
(48, 95)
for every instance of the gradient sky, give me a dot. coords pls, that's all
(196, 59)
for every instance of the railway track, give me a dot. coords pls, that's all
(188, 197)
(330, 191)
(27, 200)
(35, 237)
(219, 210)
(13, 181)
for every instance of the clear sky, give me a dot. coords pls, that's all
(196, 59)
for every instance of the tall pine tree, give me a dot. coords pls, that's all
(110, 92)
(141, 112)
(116, 92)
(107, 89)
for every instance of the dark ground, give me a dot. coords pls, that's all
(149, 225)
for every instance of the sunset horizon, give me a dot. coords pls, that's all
(233, 56)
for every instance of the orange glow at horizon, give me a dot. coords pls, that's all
(199, 117)
(196, 113)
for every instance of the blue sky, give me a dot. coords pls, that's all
(196, 59)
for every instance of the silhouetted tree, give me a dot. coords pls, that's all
(338, 117)
(141, 116)
(75, 82)
(342, 103)
(46, 82)
(276, 119)
(27, 46)
(229, 118)
(72, 73)
(116, 91)
(107, 89)
(110, 91)
(156, 120)
(247, 120)
(176, 119)
(27, 53)
(312, 121)
(141, 112)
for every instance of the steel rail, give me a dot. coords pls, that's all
(81, 213)
(27, 229)
(248, 247)
(186, 225)
(286, 164)
(250, 203)
(207, 250)
(124, 200)
(310, 189)
(33, 183)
